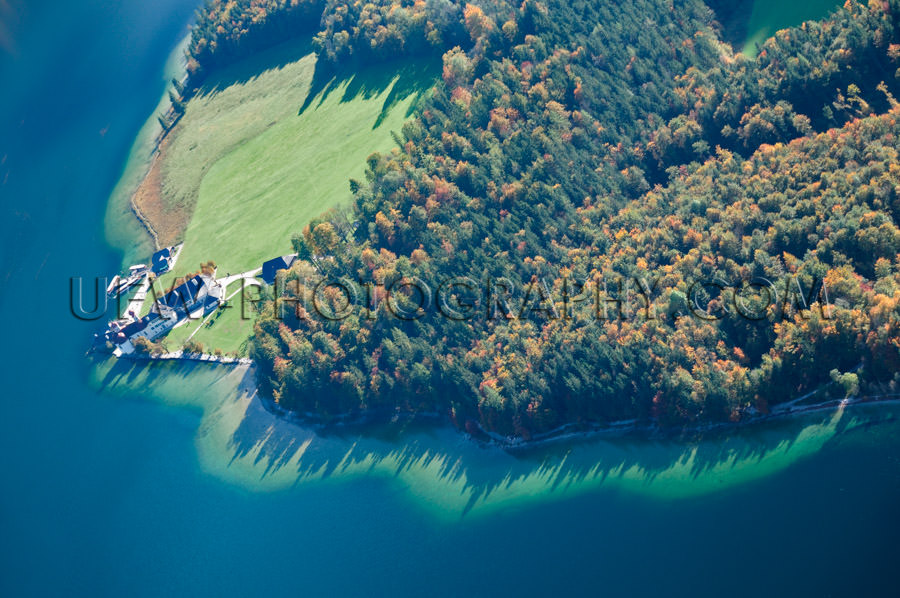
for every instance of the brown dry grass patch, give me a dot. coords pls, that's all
(166, 223)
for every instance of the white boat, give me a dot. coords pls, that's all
(113, 288)
(130, 282)
(119, 285)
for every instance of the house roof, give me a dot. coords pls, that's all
(271, 267)
(185, 294)
(160, 260)
(135, 327)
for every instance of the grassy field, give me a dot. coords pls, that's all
(266, 146)
(768, 16)
(227, 328)
(265, 153)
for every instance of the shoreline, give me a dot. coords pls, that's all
(480, 435)
(625, 428)
(180, 355)
(240, 441)
(145, 222)
(127, 228)
(561, 434)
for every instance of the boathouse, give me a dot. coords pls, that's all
(161, 261)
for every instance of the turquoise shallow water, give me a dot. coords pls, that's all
(768, 16)
(173, 480)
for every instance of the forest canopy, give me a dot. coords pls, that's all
(583, 140)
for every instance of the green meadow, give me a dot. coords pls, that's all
(227, 329)
(768, 16)
(272, 142)
(266, 146)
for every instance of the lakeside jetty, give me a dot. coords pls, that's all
(134, 332)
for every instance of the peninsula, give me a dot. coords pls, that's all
(543, 214)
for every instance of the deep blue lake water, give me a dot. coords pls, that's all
(126, 482)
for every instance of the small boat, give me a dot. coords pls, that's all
(113, 289)
(119, 285)
(129, 282)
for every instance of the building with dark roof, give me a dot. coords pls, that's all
(271, 267)
(135, 327)
(196, 297)
(161, 261)
(152, 326)
(186, 297)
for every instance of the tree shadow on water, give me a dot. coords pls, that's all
(142, 376)
(469, 475)
(479, 474)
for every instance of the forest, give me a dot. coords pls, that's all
(588, 140)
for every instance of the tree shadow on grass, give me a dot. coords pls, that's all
(248, 69)
(404, 78)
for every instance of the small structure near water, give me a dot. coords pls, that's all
(162, 260)
(194, 298)
(120, 285)
(197, 296)
(160, 263)
(151, 327)
(186, 297)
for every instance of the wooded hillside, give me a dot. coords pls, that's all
(590, 140)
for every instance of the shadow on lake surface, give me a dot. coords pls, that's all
(242, 442)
